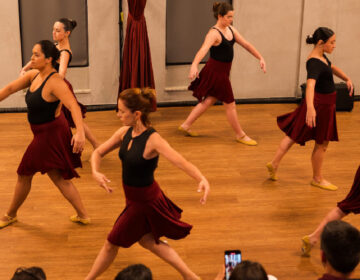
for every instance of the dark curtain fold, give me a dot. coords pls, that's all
(136, 70)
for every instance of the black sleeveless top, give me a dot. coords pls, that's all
(39, 110)
(57, 65)
(322, 73)
(225, 51)
(136, 170)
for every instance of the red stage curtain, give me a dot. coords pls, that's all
(136, 70)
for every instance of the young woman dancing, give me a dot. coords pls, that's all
(53, 150)
(315, 118)
(148, 214)
(213, 83)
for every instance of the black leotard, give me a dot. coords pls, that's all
(322, 73)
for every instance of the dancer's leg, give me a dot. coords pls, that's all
(22, 189)
(90, 136)
(232, 117)
(168, 254)
(317, 160)
(103, 260)
(334, 214)
(69, 191)
(285, 145)
(198, 110)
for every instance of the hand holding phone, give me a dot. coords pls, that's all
(232, 258)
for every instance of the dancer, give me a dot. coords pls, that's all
(148, 214)
(213, 82)
(350, 204)
(62, 30)
(315, 118)
(50, 151)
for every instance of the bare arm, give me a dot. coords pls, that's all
(309, 95)
(339, 73)
(112, 143)
(60, 89)
(250, 48)
(20, 83)
(210, 39)
(63, 64)
(26, 68)
(162, 147)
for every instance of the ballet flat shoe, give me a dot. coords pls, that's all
(187, 132)
(329, 187)
(250, 142)
(9, 221)
(76, 219)
(272, 171)
(306, 245)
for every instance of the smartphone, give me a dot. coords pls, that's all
(232, 258)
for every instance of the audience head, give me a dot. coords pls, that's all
(340, 245)
(31, 273)
(135, 272)
(137, 100)
(248, 270)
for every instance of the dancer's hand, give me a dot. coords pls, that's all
(311, 117)
(22, 72)
(205, 187)
(194, 72)
(78, 142)
(350, 87)
(102, 180)
(263, 65)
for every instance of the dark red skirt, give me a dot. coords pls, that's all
(213, 81)
(294, 123)
(66, 111)
(147, 210)
(50, 149)
(352, 201)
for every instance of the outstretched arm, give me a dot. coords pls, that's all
(210, 39)
(162, 147)
(339, 73)
(249, 47)
(112, 143)
(20, 83)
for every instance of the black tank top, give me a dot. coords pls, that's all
(225, 51)
(57, 65)
(39, 110)
(136, 170)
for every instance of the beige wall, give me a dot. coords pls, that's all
(277, 28)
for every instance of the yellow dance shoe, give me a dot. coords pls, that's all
(250, 142)
(187, 132)
(9, 221)
(272, 171)
(306, 245)
(76, 219)
(329, 187)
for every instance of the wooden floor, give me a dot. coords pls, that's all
(245, 211)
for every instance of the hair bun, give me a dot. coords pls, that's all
(73, 23)
(216, 6)
(310, 40)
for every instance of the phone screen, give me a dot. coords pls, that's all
(232, 258)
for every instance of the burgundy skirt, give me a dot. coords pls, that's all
(352, 201)
(213, 81)
(294, 123)
(147, 210)
(67, 113)
(50, 149)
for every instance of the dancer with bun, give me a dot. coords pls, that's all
(53, 149)
(62, 30)
(315, 118)
(212, 83)
(350, 204)
(148, 214)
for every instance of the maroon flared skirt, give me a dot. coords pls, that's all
(294, 123)
(50, 149)
(147, 210)
(213, 81)
(66, 111)
(352, 201)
